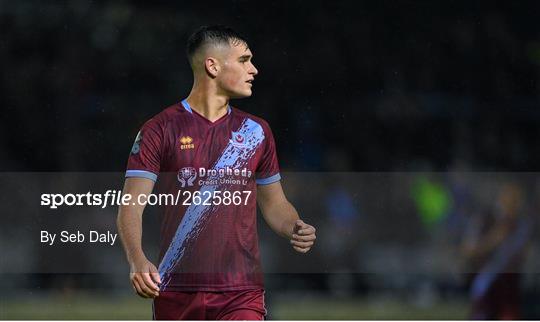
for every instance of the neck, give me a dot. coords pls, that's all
(206, 101)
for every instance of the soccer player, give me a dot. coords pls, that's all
(223, 161)
(495, 250)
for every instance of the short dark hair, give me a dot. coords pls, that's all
(216, 34)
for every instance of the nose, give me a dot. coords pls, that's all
(254, 70)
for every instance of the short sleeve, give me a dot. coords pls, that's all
(145, 156)
(268, 167)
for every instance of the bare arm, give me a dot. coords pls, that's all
(281, 216)
(143, 274)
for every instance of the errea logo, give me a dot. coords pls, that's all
(186, 142)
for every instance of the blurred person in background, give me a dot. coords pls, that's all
(494, 248)
(209, 259)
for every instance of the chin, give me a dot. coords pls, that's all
(242, 95)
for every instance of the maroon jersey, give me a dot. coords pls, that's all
(209, 237)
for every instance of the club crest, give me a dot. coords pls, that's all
(238, 139)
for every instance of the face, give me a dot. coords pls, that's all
(237, 71)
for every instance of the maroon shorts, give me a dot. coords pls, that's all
(234, 305)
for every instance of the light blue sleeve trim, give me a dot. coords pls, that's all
(141, 174)
(276, 177)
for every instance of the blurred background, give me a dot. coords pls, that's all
(413, 123)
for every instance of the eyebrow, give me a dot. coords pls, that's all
(245, 57)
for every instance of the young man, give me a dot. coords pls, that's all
(223, 162)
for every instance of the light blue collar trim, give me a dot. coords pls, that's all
(188, 108)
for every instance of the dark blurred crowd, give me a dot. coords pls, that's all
(392, 86)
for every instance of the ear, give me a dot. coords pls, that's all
(212, 67)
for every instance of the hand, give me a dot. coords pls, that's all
(145, 278)
(303, 236)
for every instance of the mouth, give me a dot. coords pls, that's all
(250, 82)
